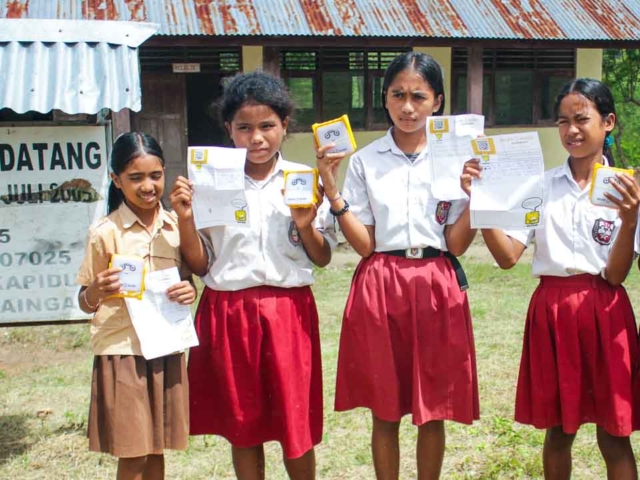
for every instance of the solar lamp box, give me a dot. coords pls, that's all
(602, 180)
(300, 188)
(336, 131)
(131, 275)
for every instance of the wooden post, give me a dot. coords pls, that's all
(121, 122)
(271, 60)
(474, 80)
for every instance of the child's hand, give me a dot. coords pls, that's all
(106, 283)
(471, 170)
(184, 293)
(328, 165)
(304, 217)
(181, 197)
(628, 206)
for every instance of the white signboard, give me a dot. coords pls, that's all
(186, 67)
(53, 183)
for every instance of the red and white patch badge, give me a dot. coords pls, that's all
(602, 231)
(294, 235)
(442, 212)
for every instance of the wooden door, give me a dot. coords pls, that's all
(164, 116)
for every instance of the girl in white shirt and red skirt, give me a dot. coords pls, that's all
(256, 375)
(580, 343)
(406, 345)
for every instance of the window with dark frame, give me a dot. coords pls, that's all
(519, 85)
(223, 61)
(329, 82)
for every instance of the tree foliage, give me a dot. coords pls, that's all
(621, 71)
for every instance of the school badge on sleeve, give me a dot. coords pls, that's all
(442, 212)
(294, 235)
(603, 231)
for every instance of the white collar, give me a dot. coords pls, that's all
(565, 169)
(387, 143)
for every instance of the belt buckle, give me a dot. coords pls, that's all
(414, 252)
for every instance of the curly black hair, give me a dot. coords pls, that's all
(255, 88)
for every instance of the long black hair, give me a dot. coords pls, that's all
(425, 65)
(602, 98)
(127, 148)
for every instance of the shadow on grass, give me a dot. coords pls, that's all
(14, 432)
(73, 427)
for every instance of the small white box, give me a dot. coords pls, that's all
(300, 188)
(131, 276)
(602, 181)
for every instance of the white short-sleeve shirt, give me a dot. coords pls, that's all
(384, 188)
(269, 250)
(576, 236)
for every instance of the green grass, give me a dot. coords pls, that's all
(45, 382)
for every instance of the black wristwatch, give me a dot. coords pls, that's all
(342, 211)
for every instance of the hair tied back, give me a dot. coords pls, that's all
(608, 140)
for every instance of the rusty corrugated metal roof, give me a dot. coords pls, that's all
(616, 20)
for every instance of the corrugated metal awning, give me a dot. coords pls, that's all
(77, 66)
(567, 20)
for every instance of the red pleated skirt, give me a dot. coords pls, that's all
(257, 375)
(407, 343)
(579, 356)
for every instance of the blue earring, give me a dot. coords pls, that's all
(608, 141)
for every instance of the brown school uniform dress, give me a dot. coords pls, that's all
(138, 407)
